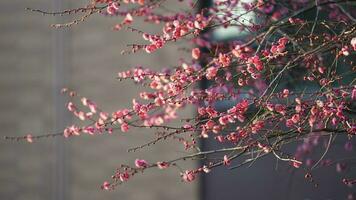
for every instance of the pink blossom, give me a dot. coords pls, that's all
(298, 101)
(280, 109)
(270, 106)
(206, 169)
(188, 176)
(252, 71)
(264, 147)
(353, 43)
(141, 163)
(29, 138)
(319, 103)
(295, 118)
(220, 138)
(128, 19)
(196, 53)
(226, 160)
(255, 60)
(210, 124)
(162, 165)
(256, 126)
(321, 70)
(296, 163)
(71, 107)
(283, 41)
(104, 116)
(81, 115)
(223, 120)
(106, 186)
(224, 60)
(124, 127)
(84, 101)
(124, 176)
(298, 108)
(92, 107)
(112, 8)
(150, 48)
(89, 129)
(117, 27)
(289, 123)
(295, 21)
(345, 51)
(285, 93)
(353, 94)
(70, 131)
(240, 82)
(312, 120)
(211, 72)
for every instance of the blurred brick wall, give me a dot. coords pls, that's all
(27, 105)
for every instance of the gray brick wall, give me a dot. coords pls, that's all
(27, 105)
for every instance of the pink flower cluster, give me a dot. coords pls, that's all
(289, 79)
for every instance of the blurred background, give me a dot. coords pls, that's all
(37, 61)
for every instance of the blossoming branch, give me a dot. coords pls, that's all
(289, 79)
